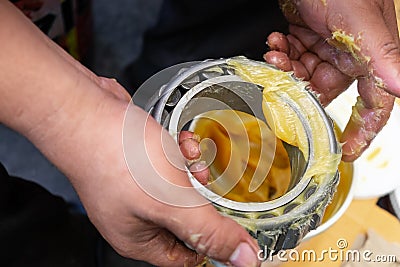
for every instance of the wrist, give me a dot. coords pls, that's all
(79, 126)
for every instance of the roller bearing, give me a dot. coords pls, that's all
(285, 224)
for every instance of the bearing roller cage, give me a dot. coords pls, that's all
(278, 224)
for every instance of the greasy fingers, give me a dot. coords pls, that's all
(310, 62)
(378, 41)
(201, 172)
(277, 41)
(331, 43)
(328, 82)
(363, 29)
(300, 70)
(190, 148)
(369, 115)
(159, 247)
(325, 77)
(319, 47)
(279, 60)
(187, 135)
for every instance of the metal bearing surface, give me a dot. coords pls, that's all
(280, 227)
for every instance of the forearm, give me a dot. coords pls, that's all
(37, 80)
(45, 94)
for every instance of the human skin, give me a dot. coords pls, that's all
(317, 51)
(75, 119)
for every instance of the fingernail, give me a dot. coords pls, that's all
(244, 256)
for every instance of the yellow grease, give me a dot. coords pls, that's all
(343, 189)
(345, 42)
(379, 82)
(234, 133)
(279, 87)
(374, 154)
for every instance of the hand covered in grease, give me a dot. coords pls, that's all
(332, 43)
(142, 225)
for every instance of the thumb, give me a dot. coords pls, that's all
(381, 40)
(211, 234)
(175, 204)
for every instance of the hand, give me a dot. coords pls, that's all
(137, 224)
(331, 43)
